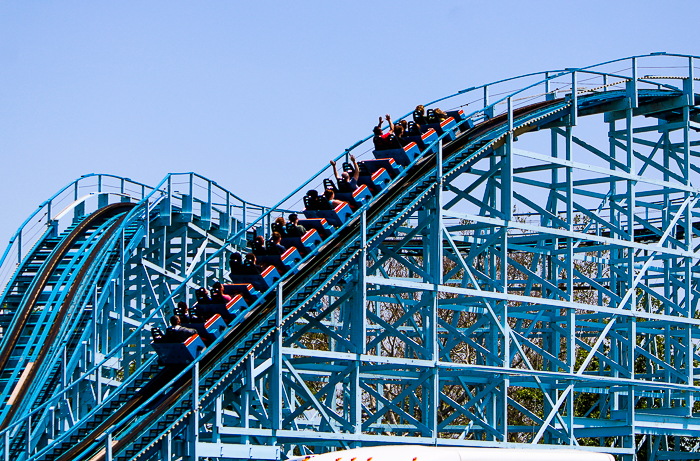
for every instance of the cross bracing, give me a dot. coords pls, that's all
(532, 280)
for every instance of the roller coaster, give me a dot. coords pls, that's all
(523, 275)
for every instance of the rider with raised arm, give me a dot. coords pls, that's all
(346, 183)
(381, 140)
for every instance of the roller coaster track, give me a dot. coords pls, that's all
(156, 404)
(98, 244)
(382, 218)
(47, 273)
(402, 197)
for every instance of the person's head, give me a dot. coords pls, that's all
(250, 258)
(182, 306)
(260, 240)
(420, 109)
(377, 131)
(236, 257)
(329, 194)
(280, 221)
(398, 130)
(404, 124)
(276, 237)
(345, 176)
(293, 218)
(217, 288)
(174, 320)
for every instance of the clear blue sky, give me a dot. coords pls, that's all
(259, 95)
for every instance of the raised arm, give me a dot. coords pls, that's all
(391, 125)
(335, 172)
(355, 167)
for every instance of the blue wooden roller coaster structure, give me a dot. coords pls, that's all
(522, 275)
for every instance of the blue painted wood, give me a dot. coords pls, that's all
(400, 324)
